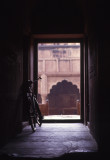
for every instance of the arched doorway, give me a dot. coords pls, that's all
(64, 99)
(59, 65)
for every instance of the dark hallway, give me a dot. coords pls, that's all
(23, 24)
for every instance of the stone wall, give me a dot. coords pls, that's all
(56, 63)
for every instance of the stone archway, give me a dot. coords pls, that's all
(63, 99)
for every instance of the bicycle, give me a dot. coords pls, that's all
(34, 112)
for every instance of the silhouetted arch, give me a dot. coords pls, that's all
(64, 87)
(63, 97)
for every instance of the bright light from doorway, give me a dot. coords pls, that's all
(59, 89)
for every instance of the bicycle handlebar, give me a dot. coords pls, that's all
(37, 79)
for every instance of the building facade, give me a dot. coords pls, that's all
(59, 67)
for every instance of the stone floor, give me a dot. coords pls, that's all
(51, 140)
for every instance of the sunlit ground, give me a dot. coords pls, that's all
(62, 117)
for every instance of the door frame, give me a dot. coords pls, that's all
(38, 38)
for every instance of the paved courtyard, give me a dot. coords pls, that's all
(62, 117)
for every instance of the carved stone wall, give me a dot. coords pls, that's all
(56, 63)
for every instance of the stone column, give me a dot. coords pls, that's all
(44, 88)
(78, 107)
(44, 66)
(57, 65)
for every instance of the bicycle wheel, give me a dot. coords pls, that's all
(39, 116)
(39, 119)
(33, 122)
(32, 118)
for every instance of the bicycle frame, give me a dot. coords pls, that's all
(35, 115)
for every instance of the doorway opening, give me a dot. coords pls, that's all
(59, 91)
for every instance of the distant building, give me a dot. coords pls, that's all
(59, 65)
